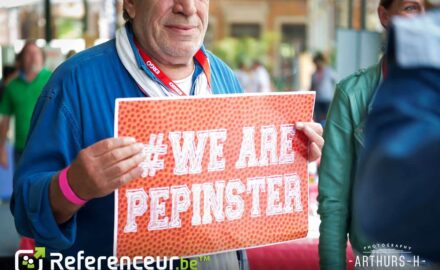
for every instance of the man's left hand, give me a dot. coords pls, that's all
(314, 132)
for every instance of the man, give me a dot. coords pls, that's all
(260, 78)
(323, 82)
(344, 141)
(244, 77)
(399, 174)
(70, 148)
(20, 97)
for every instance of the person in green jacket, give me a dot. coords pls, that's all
(20, 97)
(343, 135)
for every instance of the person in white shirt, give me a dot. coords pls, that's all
(261, 82)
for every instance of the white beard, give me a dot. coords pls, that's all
(147, 85)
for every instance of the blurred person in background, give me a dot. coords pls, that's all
(20, 97)
(260, 79)
(344, 137)
(244, 77)
(66, 146)
(398, 174)
(323, 82)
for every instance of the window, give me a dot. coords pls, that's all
(240, 30)
(294, 34)
(292, 44)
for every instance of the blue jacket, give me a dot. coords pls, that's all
(397, 192)
(75, 110)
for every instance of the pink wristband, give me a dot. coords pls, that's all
(67, 190)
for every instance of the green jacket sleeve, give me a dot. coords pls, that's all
(334, 183)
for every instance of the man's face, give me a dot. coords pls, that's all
(170, 30)
(400, 8)
(32, 59)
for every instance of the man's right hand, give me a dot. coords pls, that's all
(96, 172)
(105, 166)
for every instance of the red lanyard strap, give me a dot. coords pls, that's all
(204, 63)
(200, 57)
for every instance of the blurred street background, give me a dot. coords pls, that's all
(282, 36)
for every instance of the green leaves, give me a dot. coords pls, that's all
(245, 50)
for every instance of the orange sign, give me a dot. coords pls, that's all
(221, 173)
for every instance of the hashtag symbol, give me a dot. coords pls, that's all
(153, 153)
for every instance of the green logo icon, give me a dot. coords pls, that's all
(29, 262)
(40, 253)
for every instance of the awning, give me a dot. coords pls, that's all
(17, 3)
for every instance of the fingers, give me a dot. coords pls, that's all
(99, 169)
(119, 154)
(314, 152)
(316, 127)
(121, 168)
(127, 177)
(107, 145)
(313, 131)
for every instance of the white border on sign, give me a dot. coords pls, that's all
(115, 135)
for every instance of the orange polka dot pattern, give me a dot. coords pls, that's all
(142, 118)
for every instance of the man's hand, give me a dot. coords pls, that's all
(105, 166)
(4, 157)
(313, 131)
(96, 172)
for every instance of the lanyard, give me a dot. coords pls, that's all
(200, 57)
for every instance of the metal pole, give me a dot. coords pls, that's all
(350, 14)
(86, 17)
(116, 14)
(363, 14)
(48, 17)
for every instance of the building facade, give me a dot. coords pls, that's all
(302, 27)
